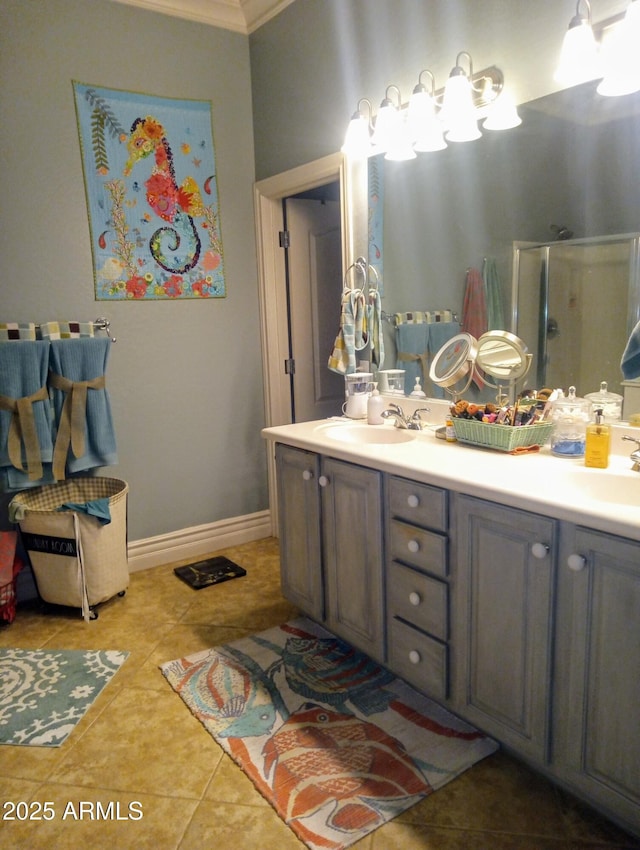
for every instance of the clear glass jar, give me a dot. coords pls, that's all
(609, 403)
(570, 416)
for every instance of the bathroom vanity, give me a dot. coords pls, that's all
(505, 587)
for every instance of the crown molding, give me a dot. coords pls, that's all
(243, 16)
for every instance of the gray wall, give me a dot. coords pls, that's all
(443, 212)
(184, 377)
(312, 62)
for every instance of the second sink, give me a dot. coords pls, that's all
(367, 434)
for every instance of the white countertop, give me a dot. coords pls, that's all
(563, 488)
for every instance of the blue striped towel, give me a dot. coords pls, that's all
(412, 343)
(83, 361)
(23, 373)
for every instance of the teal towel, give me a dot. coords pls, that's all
(439, 335)
(12, 480)
(78, 360)
(630, 363)
(98, 508)
(23, 372)
(412, 342)
(493, 295)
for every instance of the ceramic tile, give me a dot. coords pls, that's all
(144, 742)
(140, 742)
(74, 819)
(227, 826)
(498, 794)
(180, 640)
(399, 835)
(230, 784)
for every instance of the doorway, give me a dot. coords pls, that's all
(313, 260)
(268, 199)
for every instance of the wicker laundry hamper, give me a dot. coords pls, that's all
(77, 561)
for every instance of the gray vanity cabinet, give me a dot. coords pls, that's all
(300, 529)
(526, 626)
(503, 634)
(417, 584)
(353, 554)
(331, 543)
(597, 730)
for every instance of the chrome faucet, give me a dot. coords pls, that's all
(402, 420)
(635, 454)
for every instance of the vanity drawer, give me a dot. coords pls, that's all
(418, 503)
(426, 550)
(419, 659)
(419, 599)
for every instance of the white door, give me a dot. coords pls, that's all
(315, 287)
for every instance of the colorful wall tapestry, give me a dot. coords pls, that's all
(376, 216)
(152, 195)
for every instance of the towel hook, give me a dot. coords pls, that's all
(360, 264)
(377, 276)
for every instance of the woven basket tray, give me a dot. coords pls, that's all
(504, 438)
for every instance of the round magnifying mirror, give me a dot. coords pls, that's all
(454, 360)
(502, 355)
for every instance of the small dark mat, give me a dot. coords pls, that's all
(212, 571)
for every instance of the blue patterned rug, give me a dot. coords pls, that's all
(44, 693)
(337, 744)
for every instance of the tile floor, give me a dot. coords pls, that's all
(140, 743)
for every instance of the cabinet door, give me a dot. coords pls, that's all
(503, 622)
(300, 537)
(597, 733)
(353, 556)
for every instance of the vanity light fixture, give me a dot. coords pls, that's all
(453, 112)
(579, 55)
(458, 113)
(621, 55)
(357, 142)
(502, 114)
(425, 129)
(390, 135)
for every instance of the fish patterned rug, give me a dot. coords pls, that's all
(44, 693)
(336, 743)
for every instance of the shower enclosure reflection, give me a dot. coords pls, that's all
(576, 302)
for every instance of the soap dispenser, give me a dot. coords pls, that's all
(375, 406)
(598, 443)
(417, 391)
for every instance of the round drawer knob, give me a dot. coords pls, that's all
(413, 501)
(307, 475)
(414, 598)
(539, 550)
(576, 562)
(414, 656)
(323, 481)
(413, 546)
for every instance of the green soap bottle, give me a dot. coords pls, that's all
(596, 452)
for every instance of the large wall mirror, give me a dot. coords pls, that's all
(572, 167)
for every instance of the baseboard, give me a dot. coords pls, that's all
(199, 540)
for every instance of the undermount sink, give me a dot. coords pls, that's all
(368, 434)
(607, 485)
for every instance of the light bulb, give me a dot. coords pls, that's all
(579, 56)
(621, 57)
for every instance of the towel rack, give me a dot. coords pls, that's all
(392, 319)
(100, 324)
